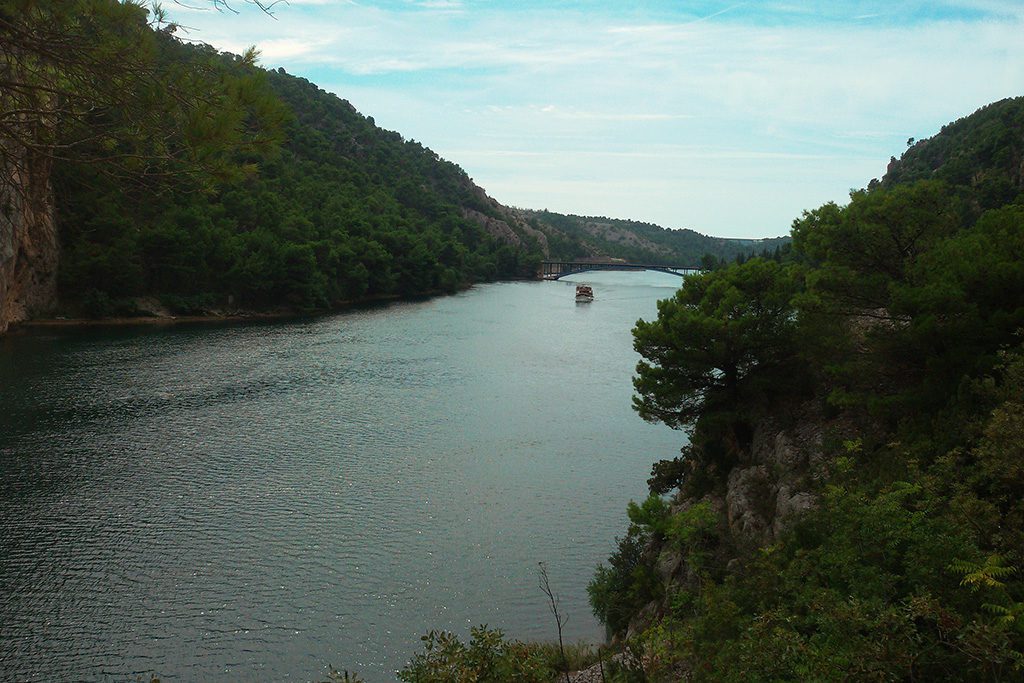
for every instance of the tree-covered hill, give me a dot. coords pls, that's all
(197, 181)
(849, 502)
(982, 153)
(645, 242)
(342, 210)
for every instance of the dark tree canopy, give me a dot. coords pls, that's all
(91, 81)
(720, 340)
(289, 199)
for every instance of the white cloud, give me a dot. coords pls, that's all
(534, 99)
(440, 4)
(282, 49)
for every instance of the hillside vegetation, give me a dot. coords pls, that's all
(591, 236)
(337, 210)
(193, 180)
(850, 504)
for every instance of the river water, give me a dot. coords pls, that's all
(259, 501)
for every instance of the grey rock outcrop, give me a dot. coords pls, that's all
(509, 228)
(28, 237)
(495, 227)
(773, 483)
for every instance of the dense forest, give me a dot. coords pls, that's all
(333, 210)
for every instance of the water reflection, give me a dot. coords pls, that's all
(257, 501)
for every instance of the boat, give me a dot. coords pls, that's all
(584, 294)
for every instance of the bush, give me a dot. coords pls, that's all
(487, 657)
(617, 592)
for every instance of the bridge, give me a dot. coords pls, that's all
(553, 270)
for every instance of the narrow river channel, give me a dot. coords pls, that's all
(258, 501)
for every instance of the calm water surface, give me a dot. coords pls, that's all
(256, 502)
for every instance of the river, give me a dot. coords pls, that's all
(259, 501)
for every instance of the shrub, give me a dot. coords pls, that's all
(487, 657)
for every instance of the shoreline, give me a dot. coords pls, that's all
(152, 320)
(235, 316)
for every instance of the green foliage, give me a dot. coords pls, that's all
(578, 656)
(922, 302)
(871, 584)
(691, 527)
(83, 54)
(987, 574)
(875, 240)
(93, 83)
(980, 154)
(619, 590)
(684, 528)
(721, 343)
(282, 196)
(652, 515)
(487, 657)
(666, 475)
(572, 236)
(849, 592)
(904, 309)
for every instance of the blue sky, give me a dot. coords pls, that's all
(729, 118)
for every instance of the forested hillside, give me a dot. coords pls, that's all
(983, 152)
(590, 236)
(339, 211)
(849, 505)
(195, 181)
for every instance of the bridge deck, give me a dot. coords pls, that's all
(553, 270)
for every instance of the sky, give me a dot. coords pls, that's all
(729, 118)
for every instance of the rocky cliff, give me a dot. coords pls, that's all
(511, 228)
(28, 237)
(774, 480)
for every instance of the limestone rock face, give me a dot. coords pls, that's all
(28, 238)
(496, 228)
(509, 227)
(748, 500)
(610, 233)
(772, 484)
(789, 503)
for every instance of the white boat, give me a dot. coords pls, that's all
(584, 294)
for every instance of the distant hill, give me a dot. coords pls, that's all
(328, 130)
(642, 242)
